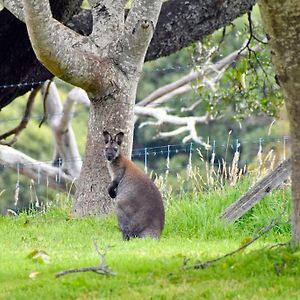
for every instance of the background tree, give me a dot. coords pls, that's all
(281, 20)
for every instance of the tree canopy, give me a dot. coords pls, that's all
(180, 24)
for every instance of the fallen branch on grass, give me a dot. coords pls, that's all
(258, 191)
(102, 269)
(263, 231)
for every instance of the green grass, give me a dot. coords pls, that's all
(148, 269)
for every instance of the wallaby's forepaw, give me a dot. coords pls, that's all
(112, 192)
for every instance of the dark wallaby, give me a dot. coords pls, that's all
(140, 207)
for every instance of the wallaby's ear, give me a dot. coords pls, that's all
(107, 137)
(119, 138)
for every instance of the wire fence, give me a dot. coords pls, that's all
(146, 154)
(170, 160)
(160, 70)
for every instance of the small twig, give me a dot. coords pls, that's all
(280, 245)
(102, 269)
(251, 36)
(17, 130)
(222, 38)
(44, 103)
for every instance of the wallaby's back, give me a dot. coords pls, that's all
(139, 203)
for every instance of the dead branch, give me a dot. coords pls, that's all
(44, 118)
(208, 72)
(192, 107)
(177, 92)
(76, 95)
(39, 171)
(162, 116)
(258, 191)
(102, 269)
(274, 222)
(26, 117)
(59, 120)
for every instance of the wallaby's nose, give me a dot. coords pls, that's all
(109, 157)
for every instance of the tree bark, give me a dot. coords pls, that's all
(114, 115)
(180, 24)
(281, 22)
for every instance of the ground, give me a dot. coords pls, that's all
(35, 246)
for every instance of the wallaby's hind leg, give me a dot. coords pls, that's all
(124, 224)
(155, 234)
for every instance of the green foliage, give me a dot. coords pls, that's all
(148, 269)
(245, 96)
(248, 87)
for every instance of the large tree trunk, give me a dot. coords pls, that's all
(113, 114)
(281, 21)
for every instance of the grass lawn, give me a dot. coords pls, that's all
(148, 269)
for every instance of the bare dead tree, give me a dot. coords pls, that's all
(59, 120)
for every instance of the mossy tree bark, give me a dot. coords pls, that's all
(282, 24)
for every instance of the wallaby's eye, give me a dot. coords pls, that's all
(115, 149)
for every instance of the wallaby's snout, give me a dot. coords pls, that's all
(112, 148)
(110, 154)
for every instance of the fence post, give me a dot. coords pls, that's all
(190, 160)
(259, 157)
(213, 154)
(146, 160)
(168, 160)
(17, 190)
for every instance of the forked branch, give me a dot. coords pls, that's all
(102, 269)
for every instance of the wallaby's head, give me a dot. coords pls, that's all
(112, 145)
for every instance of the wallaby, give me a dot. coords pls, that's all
(139, 204)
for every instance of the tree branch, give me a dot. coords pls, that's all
(65, 53)
(263, 231)
(27, 114)
(207, 72)
(15, 7)
(163, 117)
(102, 269)
(48, 175)
(139, 28)
(59, 121)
